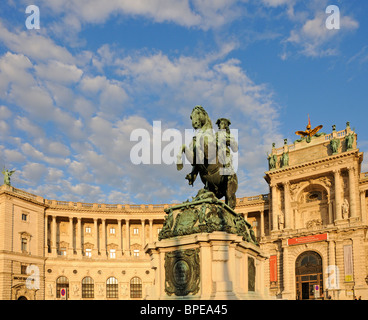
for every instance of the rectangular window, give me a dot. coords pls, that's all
(112, 254)
(112, 230)
(88, 253)
(24, 245)
(88, 229)
(23, 269)
(135, 253)
(62, 251)
(159, 230)
(24, 216)
(135, 231)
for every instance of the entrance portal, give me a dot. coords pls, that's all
(309, 279)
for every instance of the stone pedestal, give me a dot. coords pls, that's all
(206, 251)
(206, 266)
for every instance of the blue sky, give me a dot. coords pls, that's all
(72, 92)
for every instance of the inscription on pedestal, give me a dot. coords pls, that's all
(182, 272)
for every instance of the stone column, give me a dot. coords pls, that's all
(330, 211)
(46, 235)
(95, 238)
(120, 235)
(71, 237)
(54, 237)
(286, 274)
(127, 238)
(274, 195)
(352, 194)
(331, 253)
(287, 205)
(363, 207)
(143, 239)
(262, 233)
(103, 239)
(245, 216)
(78, 239)
(269, 219)
(151, 230)
(359, 268)
(337, 181)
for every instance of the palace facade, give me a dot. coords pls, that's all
(312, 227)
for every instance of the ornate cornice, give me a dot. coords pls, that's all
(312, 163)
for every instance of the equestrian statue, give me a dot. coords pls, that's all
(210, 157)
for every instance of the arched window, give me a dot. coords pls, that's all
(136, 288)
(62, 282)
(87, 287)
(112, 289)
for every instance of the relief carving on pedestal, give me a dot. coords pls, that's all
(182, 272)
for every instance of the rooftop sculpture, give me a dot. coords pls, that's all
(7, 175)
(309, 132)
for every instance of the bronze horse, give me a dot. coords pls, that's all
(203, 153)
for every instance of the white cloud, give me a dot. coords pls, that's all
(34, 45)
(111, 94)
(79, 171)
(59, 72)
(315, 39)
(117, 197)
(32, 153)
(33, 172)
(82, 108)
(5, 113)
(26, 125)
(4, 128)
(12, 156)
(204, 14)
(54, 175)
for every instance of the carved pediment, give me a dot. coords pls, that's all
(112, 246)
(88, 245)
(64, 244)
(136, 246)
(25, 234)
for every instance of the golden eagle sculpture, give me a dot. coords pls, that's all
(309, 133)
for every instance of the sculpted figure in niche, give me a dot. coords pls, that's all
(349, 139)
(281, 221)
(345, 209)
(272, 159)
(285, 159)
(335, 143)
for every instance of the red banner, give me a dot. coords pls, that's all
(308, 239)
(273, 269)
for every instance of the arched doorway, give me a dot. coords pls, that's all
(308, 272)
(21, 292)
